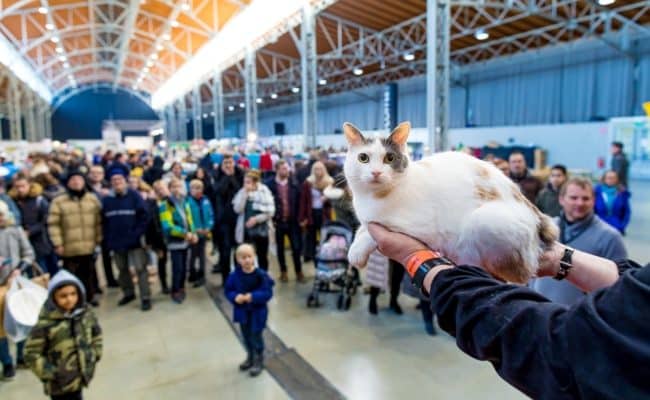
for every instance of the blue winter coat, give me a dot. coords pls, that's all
(257, 310)
(202, 214)
(124, 220)
(620, 215)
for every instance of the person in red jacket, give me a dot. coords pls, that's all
(266, 164)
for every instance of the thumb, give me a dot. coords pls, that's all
(378, 232)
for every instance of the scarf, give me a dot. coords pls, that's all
(609, 194)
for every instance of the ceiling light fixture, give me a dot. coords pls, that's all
(481, 34)
(149, 63)
(59, 50)
(145, 70)
(322, 82)
(242, 105)
(606, 2)
(259, 100)
(357, 71)
(63, 58)
(274, 96)
(154, 56)
(295, 89)
(167, 36)
(49, 27)
(205, 116)
(185, 6)
(160, 47)
(409, 57)
(42, 10)
(175, 24)
(55, 39)
(231, 108)
(66, 65)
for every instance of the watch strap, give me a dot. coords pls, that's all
(565, 264)
(423, 269)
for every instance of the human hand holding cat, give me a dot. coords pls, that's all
(396, 246)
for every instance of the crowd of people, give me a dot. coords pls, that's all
(138, 213)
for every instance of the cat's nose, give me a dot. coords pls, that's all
(375, 174)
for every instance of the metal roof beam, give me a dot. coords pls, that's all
(129, 26)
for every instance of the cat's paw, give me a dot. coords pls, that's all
(358, 254)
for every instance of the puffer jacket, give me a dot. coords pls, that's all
(34, 208)
(63, 348)
(75, 224)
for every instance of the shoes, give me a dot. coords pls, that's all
(428, 326)
(21, 364)
(165, 289)
(8, 371)
(199, 282)
(146, 305)
(192, 278)
(284, 277)
(99, 290)
(372, 307)
(125, 300)
(182, 294)
(396, 308)
(176, 298)
(258, 366)
(300, 277)
(246, 365)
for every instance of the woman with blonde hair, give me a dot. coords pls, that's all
(314, 208)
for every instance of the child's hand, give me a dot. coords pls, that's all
(248, 298)
(240, 298)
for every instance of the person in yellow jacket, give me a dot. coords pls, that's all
(75, 229)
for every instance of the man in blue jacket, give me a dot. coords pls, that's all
(125, 220)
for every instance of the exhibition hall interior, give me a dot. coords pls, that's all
(324, 199)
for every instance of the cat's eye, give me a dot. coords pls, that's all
(363, 158)
(389, 158)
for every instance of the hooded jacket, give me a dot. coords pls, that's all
(256, 312)
(34, 208)
(619, 215)
(64, 347)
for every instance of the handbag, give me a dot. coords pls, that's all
(23, 303)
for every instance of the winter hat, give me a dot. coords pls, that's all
(74, 172)
(117, 168)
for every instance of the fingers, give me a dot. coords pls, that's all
(378, 232)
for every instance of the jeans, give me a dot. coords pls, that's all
(226, 239)
(83, 267)
(311, 240)
(292, 231)
(138, 259)
(49, 263)
(253, 341)
(179, 269)
(261, 244)
(197, 252)
(68, 396)
(5, 354)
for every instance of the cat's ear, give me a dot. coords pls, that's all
(400, 134)
(353, 135)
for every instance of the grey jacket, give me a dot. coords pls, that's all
(14, 245)
(548, 203)
(621, 166)
(591, 235)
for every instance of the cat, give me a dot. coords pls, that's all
(463, 207)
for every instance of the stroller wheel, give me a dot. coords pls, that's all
(312, 301)
(339, 302)
(348, 303)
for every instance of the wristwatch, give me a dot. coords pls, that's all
(423, 269)
(565, 264)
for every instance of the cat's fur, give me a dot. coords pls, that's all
(457, 204)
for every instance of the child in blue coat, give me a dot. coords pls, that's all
(203, 219)
(249, 289)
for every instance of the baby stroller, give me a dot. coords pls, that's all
(333, 273)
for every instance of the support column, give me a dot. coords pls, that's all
(170, 123)
(30, 120)
(438, 22)
(217, 104)
(250, 83)
(48, 123)
(182, 120)
(309, 75)
(197, 118)
(15, 120)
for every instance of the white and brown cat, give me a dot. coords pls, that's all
(457, 204)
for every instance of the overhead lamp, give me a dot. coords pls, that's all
(409, 57)
(63, 58)
(205, 115)
(231, 108)
(242, 105)
(54, 39)
(322, 82)
(185, 6)
(70, 78)
(42, 10)
(149, 63)
(357, 71)
(135, 87)
(145, 70)
(160, 47)
(606, 2)
(259, 100)
(481, 34)
(295, 89)
(59, 50)
(274, 96)
(49, 27)
(167, 36)
(66, 65)
(212, 114)
(154, 56)
(174, 24)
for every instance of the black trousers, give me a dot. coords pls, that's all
(83, 267)
(68, 396)
(311, 240)
(261, 244)
(107, 262)
(197, 252)
(396, 276)
(162, 267)
(291, 230)
(226, 243)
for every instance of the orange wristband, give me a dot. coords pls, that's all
(416, 259)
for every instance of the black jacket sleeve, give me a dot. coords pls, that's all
(598, 348)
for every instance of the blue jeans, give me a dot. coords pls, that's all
(5, 355)
(49, 263)
(179, 269)
(252, 340)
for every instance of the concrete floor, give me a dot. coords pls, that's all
(190, 351)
